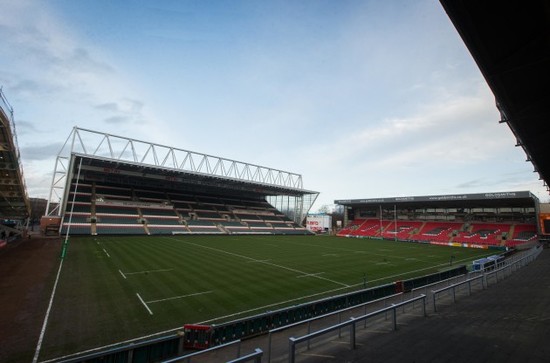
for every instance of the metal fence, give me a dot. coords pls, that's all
(162, 348)
(483, 280)
(352, 324)
(454, 288)
(339, 314)
(201, 354)
(479, 280)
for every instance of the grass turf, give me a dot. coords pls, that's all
(116, 288)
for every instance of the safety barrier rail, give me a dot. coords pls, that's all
(256, 357)
(187, 357)
(525, 260)
(485, 277)
(318, 318)
(453, 287)
(352, 325)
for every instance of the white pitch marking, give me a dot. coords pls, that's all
(107, 253)
(237, 314)
(204, 322)
(330, 254)
(267, 263)
(146, 272)
(43, 330)
(144, 304)
(258, 261)
(122, 273)
(310, 275)
(179, 297)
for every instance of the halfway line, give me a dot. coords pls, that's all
(107, 253)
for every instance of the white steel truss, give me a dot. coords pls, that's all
(106, 146)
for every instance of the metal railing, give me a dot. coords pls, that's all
(484, 278)
(352, 326)
(256, 357)
(127, 351)
(509, 265)
(320, 317)
(187, 357)
(456, 286)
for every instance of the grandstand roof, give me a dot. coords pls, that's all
(95, 156)
(523, 199)
(510, 41)
(133, 174)
(14, 201)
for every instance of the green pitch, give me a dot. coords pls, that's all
(112, 289)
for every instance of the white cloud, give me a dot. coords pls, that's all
(377, 100)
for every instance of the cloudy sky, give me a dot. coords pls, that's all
(362, 98)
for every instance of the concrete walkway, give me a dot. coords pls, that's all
(508, 322)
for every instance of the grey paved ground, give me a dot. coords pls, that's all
(507, 322)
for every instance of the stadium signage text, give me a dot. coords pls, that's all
(436, 198)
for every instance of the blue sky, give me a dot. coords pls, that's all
(363, 98)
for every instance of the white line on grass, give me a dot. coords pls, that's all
(348, 250)
(107, 253)
(180, 327)
(144, 304)
(310, 296)
(179, 297)
(310, 275)
(417, 270)
(43, 330)
(122, 273)
(149, 271)
(260, 261)
(228, 316)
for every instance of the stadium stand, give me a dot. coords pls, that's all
(482, 233)
(401, 230)
(490, 234)
(436, 231)
(480, 220)
(106, 209)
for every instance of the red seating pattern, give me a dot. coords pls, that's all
(523, 233)
(490, 234)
